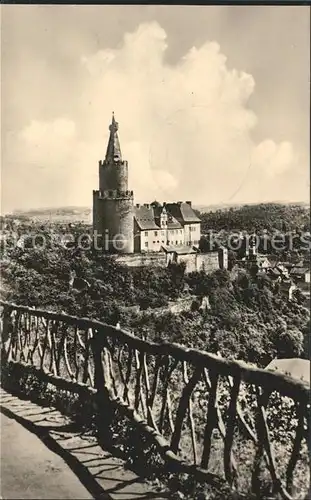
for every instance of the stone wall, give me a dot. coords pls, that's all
(173, 306)
(207, 262)
(141, 259)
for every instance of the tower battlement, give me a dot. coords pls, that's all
(118, 163)
(114, 194)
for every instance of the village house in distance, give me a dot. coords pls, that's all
(171, 230)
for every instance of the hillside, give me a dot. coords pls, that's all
(235, 206)
(59, 214)
(248, 317)
(248, 217)
(258, 217)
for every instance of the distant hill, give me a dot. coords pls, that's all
(244, 214)
(263, 216)
(83, 214)
(236, 206)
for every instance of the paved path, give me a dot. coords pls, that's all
(44, 456)
(30, 470)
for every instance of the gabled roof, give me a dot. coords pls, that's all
(172, 223)
(274, 272)
(145, 218)
(263, 258)
(183, 212)
(299, 270)
(149, 218)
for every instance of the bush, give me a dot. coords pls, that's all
(288, 343)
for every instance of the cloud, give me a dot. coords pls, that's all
(186, 130)
(274, 159)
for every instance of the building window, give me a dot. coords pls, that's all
(158, 241)
(168, 242)
(156, 233)
(180, 231)
(180, 242)
(176, 242)
(162, 233)
(146, 233)
(146, 244)
(163, 242)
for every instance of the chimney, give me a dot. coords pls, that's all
(137, 205)
(146, 205)
(189, 203)
(179, 203)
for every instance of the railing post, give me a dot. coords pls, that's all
(6, 334)
(104, 413)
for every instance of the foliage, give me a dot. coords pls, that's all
(248, 318)
(268, 216)
(282, 231)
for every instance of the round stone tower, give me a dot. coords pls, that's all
(113, 203)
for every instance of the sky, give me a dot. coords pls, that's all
(212, 102)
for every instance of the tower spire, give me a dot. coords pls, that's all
(113, 149)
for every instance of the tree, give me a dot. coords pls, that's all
(288, 343)
(299, 296)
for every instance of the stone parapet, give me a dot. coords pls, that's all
(111, 194)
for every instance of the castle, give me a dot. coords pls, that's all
(129, 228)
